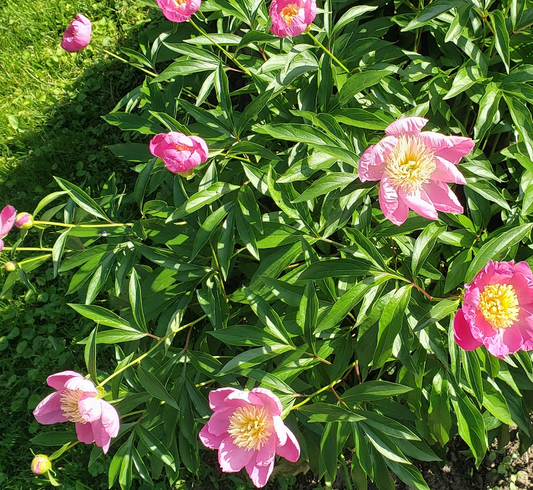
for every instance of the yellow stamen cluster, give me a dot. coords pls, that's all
(410, 164)
(289, 12)
(250, 427)
(179, 3)
(499, 305)
(69, 405)
(181, 147)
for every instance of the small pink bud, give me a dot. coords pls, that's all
(11, 266)
(41, 464)
(24, 221)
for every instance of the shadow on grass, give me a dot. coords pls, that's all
(71, 142)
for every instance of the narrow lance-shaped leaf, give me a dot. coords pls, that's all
(82, 199)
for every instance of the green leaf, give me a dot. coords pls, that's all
(348, 300)
(169, 260)
(488, 110)
(370, 391)
(153, 386)
(337, 268)
(325, 412)
(57, 250)
(472, 370)
(471, 426)
(266, 315)
(208, 227)
(523, 121)
(245, 335)
(90, 354)
(54, 438)
(246, 232)
(307, 315)
(301, 133)
(390, 324)
(133, 122)
(115, 337)
(82, 199)
(501, 37)
(408, 474)
(155, 446)
(201, 199)
(103, 317)
(326, 184)
(424, 245)
(496, 248)
(433, 10)
(357, 83)
(253, 357)
(183, 67)
(136, 300)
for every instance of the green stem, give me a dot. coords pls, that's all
(151, 73)
(225, 51)
(326, 50)
(29, 249)
(141, 357)
(321, 390)
(70, 225)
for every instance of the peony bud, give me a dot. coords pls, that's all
(24, 221)
(77, 34)
(11, 266)
(41, 464)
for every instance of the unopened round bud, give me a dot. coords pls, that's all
(24, 221)
(41, 464)
(11, 266)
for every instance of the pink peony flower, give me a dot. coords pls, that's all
(179, 10)
(247, 430)
(497, 311)
(77, 35)
(291, 17)
(7, 220)
(413, 167)
(180, 153)
(75, 400)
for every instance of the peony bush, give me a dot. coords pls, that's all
(258, 292)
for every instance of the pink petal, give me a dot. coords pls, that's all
(259, 474)
(232, 458)
(239, 398)
(420, 203)
(525, 269)
(267, 453)
(507, 341)
(280, 429)
(155, 145)
(7, 220)
(392, 206)
(201, 147)
(270, 401)
(1, 244)
(58, 380)
(82, 384)
(463, 334)
(84, 433)
(443, 198)
(447, 172)
(291, 449)
(460, 147)
(406, 125)
(110, 419)
(219, 421)
(90, 409)
(210, 440)
(217, 397)
(101, 437)
(49, 410)
(525, 325)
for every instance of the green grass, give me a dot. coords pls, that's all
(51, 103)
